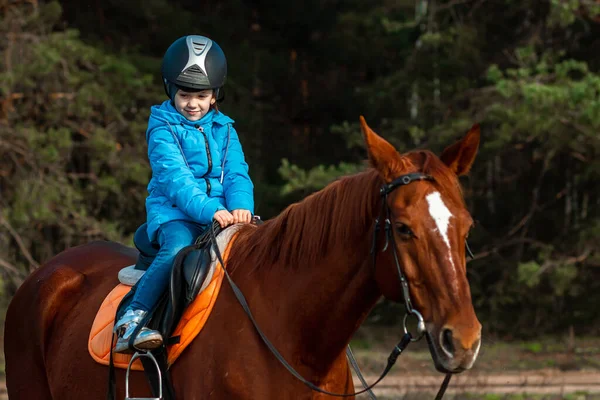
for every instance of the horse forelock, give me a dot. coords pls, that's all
(305, 231)
(445, 180)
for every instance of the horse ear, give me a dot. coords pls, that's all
(459, 156)
(382, 155)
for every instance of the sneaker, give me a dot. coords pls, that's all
(147, 339)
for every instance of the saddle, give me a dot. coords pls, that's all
(189, 274)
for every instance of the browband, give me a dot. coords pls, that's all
(404, 180)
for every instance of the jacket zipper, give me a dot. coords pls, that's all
(226, 151)
(209, 158)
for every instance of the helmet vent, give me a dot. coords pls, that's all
(192, 72)
(199, 47)
(193, 75)
(194, 69)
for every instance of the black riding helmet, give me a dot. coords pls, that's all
(194, 63)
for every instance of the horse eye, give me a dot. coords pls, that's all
(404, 230)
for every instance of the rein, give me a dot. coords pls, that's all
(407, 338)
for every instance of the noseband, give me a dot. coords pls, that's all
(385, 190)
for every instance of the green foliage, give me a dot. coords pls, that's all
(578, 395)
(76, 86)
(529, 273)
(314, 179)
(360, 344)
(492, 396)
(563, 278)
(565, 12)
(533, 347)
(78, 168)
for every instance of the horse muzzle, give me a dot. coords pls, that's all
(452, 351)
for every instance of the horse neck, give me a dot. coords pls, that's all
(322, 284)
(330, 303)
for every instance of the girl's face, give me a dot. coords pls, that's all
(194, 105)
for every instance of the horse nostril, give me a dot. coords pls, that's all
(447, 343)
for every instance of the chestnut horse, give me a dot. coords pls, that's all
(309, 279)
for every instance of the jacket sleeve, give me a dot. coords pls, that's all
(175, 179)
(237, 185)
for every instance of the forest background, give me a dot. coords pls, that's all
(77, 79)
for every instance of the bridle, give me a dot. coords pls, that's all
(385, 190)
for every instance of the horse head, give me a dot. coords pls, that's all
(429, 224)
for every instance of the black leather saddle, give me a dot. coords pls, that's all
(190, 269)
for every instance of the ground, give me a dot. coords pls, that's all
(543, 369)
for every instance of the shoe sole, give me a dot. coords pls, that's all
(149, 344)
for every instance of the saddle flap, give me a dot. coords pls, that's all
(195, 269)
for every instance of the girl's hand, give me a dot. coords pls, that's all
(241, 216)
(224, 218)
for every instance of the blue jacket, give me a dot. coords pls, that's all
(197, 168)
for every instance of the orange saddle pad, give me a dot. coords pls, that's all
(192, 321)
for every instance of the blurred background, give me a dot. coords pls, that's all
(77, 79)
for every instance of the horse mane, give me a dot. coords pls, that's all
(305, 230)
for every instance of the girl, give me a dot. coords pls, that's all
(198, 172)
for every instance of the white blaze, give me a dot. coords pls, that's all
(441, 215)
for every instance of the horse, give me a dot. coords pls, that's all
(310, 275)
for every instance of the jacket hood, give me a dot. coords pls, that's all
(166, 113)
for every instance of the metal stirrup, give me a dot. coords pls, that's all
(150, 356)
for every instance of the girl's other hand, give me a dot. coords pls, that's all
(242, 216)
(224, 218)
